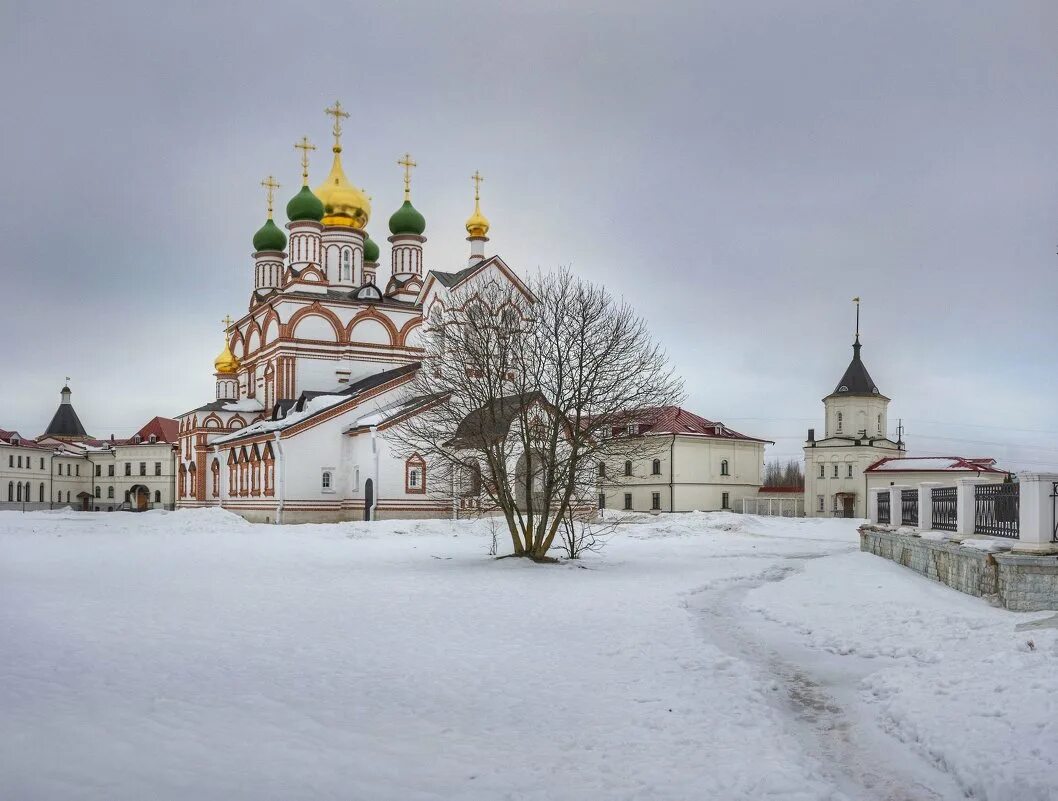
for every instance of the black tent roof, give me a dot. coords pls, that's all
(856, 380)
(64, 423)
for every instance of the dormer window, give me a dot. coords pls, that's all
(153, 439)
(718, 430)
(843, 389)
(633, 428)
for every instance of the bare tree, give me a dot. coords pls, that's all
(780, 474)
(522, 387)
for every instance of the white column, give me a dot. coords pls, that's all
(965, 508)
(872, 504)
(925, 504)
(896, 508)
(1037, 509)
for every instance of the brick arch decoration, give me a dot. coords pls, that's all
(246, 339)
(316, 308)
(212, 421)
(237, 343)
(373, 314)
(236, 423)
(405, 332)
(271, 319)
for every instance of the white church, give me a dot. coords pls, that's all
(271, 445)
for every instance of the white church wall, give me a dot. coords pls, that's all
(370, 331)
(314, 326)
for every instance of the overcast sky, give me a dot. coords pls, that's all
(739, 170)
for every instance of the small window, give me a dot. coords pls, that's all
(42, 463)
(602, 469)
(110, 492)
(110, 470)
(97, 492)
(602, 500)
(128, 495)
(41, 492)
(632, 428)
(99, 469)
(325, 481)
(655, 467)
(128, 468)
(157, 468)
(413, 477)
(879, 424)
(10, 460)
(605, 432)
(143, 468)
(356, 477)
(850, 471)
(67, 469)
(835, 471)
(822, 471)
(840, 419)
(153, 439)
(628, 468)
(628, 500)
(20, 460)
(821, 501)
(157, 496)
(724, 468)
(655, 501)
(725, 500)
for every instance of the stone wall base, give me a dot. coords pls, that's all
(1019, 582)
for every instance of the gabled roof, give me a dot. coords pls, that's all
(311, 404)
(676, 420)
(6, 438)
(856, 380)
(165, 429)
(452, 280)
(934, 464)
(492, 422)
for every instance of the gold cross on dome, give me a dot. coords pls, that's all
(304, 146)
(477, 179)
(271, 185)
(407, 164)
(338, 113)
(227, 321)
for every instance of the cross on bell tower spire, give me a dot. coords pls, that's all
(304, 146)
(407, 164)
(271, 185)
(339, 114)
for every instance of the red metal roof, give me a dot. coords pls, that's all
(934, 464)
(164, 428)
(790, 490)
(675, 420)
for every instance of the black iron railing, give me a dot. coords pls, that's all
(996, 509)
(1054, 511)
(883, 507)
(945, 517)
(909, 507)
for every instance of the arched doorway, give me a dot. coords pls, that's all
(369, 498)
(139, 498)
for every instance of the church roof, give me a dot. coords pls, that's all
(451, 279)
(64, 423)
(856, 380)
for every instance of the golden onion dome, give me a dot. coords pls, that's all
(343, 203)
(477, 223)
(226, 361)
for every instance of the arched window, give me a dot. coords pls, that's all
(19, 493)
(98, 491)
(723, 468)
(347, 256)
(415, 475)
(628, 468)
(110, 492)
(215, 471)
(41, 492)
(655, 467)
(157, 496)
(839, 422)
(10, 491)
(325, 480)
(879, 424)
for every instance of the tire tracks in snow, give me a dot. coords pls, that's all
(819, 701)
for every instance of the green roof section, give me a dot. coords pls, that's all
(370, 249)
(269, 237)
(305, 206)
(407, 220)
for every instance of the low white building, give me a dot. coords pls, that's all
(895, 471)
(689, 464)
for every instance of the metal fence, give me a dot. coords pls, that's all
(945, 516)
(996, 509)
(883, 507)
(909, 507)
(774, 507)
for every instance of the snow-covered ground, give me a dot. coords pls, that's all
(192, 655)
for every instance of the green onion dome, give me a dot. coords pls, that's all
(305, 206)
(370, 249)
(269, 237)
(406, 220)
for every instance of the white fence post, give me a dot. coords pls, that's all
(925, 504)
(965, 506)
(1036, 513)
(872, 504)
(896, 506)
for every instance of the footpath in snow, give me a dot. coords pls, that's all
(713, 656)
